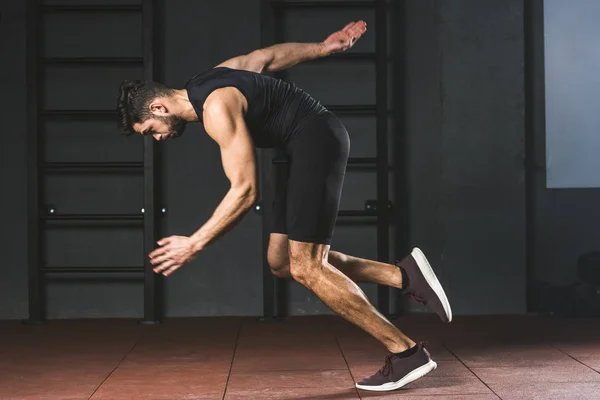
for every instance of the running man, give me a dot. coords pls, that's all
(242, 109)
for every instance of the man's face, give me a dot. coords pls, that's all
(161, 127)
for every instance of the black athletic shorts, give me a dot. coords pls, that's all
(308, 189)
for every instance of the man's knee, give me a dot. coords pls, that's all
(306, 270)
(306, 262)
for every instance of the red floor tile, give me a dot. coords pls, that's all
(499, 355)
(296, 379)
(56, 380)
(182, 353)
(519, 357)
(321, 393)
(301, 359)
(557, 373)
(287, 352)
(286, 340)
(586, 352)
(590, 361)
(432, 387)
(168, 382)
(61, 359)
(547, 391)
(583, 347)
(402, 395)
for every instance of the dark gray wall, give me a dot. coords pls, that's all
(13, 285)
(464, 65)
(465, 126)
(226, 278)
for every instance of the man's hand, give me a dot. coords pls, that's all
(344, 39)
(173, 253)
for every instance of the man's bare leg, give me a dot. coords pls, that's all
(310, 267)
(357, 269)
(363, 270)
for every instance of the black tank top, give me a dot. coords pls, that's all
(276, 109)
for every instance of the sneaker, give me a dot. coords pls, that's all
(398, 372)
(423, 286)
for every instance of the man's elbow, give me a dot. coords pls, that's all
(252, 195)
(262, 59)
(248, 193)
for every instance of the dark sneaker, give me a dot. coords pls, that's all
(423, 286)
(398, 372)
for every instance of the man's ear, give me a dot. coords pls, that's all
(158, 107)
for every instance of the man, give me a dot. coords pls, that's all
(242, 109)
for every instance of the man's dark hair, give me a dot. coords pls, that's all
(134, 102)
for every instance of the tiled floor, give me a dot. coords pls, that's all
(479, 358)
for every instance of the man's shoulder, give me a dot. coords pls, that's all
(198, 77)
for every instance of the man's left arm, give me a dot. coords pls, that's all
(224, 122)
(285, 55)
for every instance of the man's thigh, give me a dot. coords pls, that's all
(317, 169)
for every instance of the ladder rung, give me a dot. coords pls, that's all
(92, 270)
(80, 113)
(93, 217)
(366, 162)
(80, 166)
(91, 8)
(322, 4)
(357, 213)
(357, 221)
(363, 161)
(93, 60)
(352, 109)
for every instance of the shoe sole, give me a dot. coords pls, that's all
(432, 280)
(410, 377)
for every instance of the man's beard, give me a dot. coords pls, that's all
(176, 125)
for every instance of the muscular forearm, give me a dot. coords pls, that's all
(234, 206)
(285, 55)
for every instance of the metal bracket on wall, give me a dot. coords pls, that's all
(371, 205)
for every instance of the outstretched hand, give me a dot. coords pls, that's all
(173, 253)
(344, 39)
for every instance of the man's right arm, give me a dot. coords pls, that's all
(286, 55)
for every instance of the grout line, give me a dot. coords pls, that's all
(470, 370)
(237, 340)
(580, 362)
(347, 365)
(118, 365)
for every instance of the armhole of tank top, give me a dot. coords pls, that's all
(200, 117)
(225, 85)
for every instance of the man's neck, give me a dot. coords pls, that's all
(184, 108)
